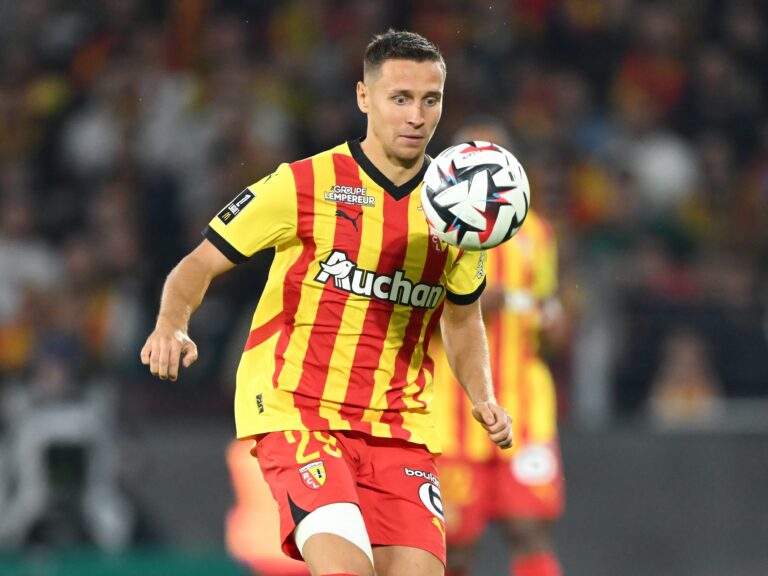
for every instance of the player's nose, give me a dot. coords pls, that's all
(416, 116)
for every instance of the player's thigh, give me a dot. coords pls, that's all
(326, 553)
(400, 499)
(402, 560)
(333, 539)
(304, 471)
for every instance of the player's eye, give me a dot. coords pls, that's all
(400, 100)
(431, 101)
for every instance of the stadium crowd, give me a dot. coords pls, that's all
(643, 127)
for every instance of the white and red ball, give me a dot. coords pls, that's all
(475, 195)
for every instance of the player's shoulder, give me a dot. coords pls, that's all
(279, 178)
(287, 169)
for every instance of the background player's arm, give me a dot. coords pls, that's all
(467, 352)
(492, 300)
(183, 292)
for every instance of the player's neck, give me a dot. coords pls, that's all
(397, 170)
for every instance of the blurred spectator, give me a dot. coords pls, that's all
(26, 260)
(685, 390)
(739, 332)
(661, 292)
(61, 474)
(720, 96)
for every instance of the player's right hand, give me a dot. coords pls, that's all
(164, 349)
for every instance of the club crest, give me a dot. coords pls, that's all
(313, 475)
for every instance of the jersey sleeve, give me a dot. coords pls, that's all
(466, 278)
(261, 216)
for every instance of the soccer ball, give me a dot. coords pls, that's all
(475, 195)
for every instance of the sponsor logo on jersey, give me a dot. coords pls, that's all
(342, 214)
(421, 474)
(481, 265)
(430, 497)
(396, 288)
(313, 474)
(236, 206)
(353, 195)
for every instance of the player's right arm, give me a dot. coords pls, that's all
(261, 216)
(184, 289)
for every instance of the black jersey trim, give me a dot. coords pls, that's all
(224, 247)
(297, 514)
(465, 298)
(397, 192)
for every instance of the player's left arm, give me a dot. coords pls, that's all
(552, 320)
(466, 348)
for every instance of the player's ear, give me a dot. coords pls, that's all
(362, 97)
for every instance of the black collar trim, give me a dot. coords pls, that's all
(397, 192)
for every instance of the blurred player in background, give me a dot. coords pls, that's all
(522, 487)
(334, 383)
(253, 523)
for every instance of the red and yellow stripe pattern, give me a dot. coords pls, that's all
(339, 338)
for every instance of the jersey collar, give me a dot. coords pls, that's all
(397, 192)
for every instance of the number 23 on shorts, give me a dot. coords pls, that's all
(309, 445)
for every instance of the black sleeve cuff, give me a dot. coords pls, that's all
(466, 298)
(224, 247)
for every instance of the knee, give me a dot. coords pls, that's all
(328, 554)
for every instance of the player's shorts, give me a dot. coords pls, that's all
(529, 485)
(394, 483)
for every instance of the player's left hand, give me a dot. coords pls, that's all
(496, 421)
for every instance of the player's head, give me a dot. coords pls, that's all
(484, 128)
(399, 45)
(402, 93)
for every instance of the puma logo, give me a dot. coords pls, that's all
(348, 217)
(439, 525)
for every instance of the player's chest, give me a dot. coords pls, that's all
(377, 231)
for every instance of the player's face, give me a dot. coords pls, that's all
(403, 100)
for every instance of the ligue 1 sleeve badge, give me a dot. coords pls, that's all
(313, 475)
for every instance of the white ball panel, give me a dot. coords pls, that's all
(453, 195)
(504, 179)
(467, 213)
(502, 226)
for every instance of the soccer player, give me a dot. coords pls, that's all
(335, 382)
(523, 487)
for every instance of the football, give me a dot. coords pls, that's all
(475, 195)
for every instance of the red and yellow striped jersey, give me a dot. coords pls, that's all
(526, 266)
(340, 335)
